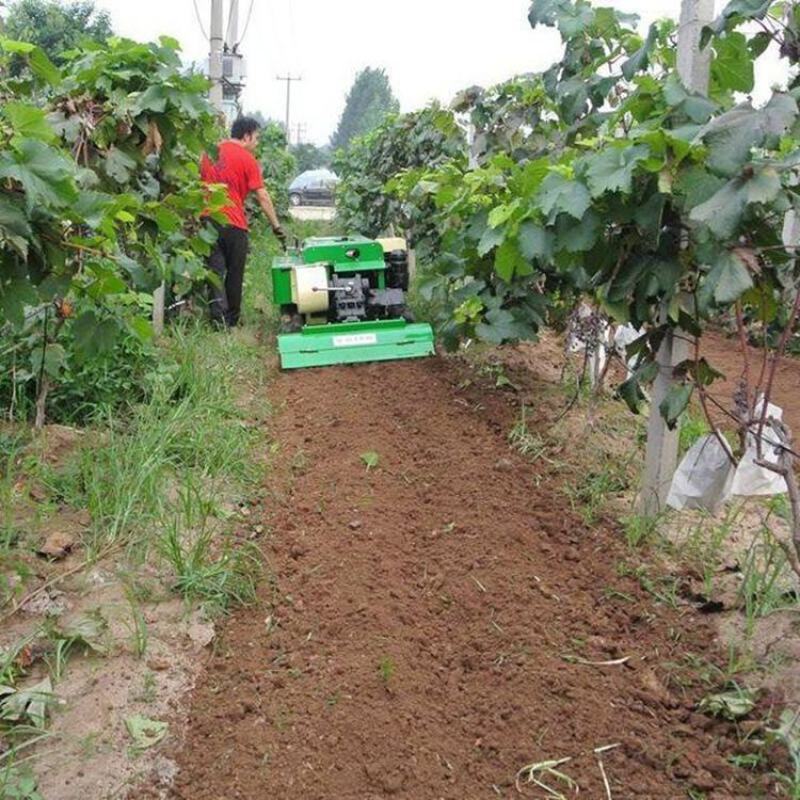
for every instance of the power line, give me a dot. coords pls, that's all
(247, 22)
(231, 17)
(200, 20)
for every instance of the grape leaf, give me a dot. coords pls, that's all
(577, 237)
(119, 165)
(492, 237)
(15, 294)
(500, 326)
(723, 211)
(508, 262)
(547, 12)
(41, 66)
(52, 360)
(93, 336)
(732, 69)
(14, 226)
(44, 173)
(29, 121)
(729, 278)
(612, 169)
(696, 107)
(732, 136)
(675, 403)
(146, 733)
(640, 60)
(736, 10)
(559, 194)
(499, 215)
(535, 242)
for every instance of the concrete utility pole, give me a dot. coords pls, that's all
(289, 78)
(661, 460)
(216, 40)
(233, 65)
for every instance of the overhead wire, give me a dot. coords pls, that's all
(228, 31)
(247, 22)
(200, 20)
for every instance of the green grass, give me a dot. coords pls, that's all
(174, 443)
(704, 547)
(525, 441)
(192, 428)
(17, 782)
(591, 491)
(640, 529)
(387, 669)
(9, 453)
(137, 627)
(153, 470)
(16, 778)
(693, 426)
(787, 733)
(208, 568)
(762, 590)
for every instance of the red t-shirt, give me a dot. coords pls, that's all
(237, 168)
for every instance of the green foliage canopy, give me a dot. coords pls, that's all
(309, 156)
(100, 198)
(604, 175)
(421, 140)
(56, 27)
(278, 164)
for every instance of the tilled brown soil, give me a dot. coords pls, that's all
(428, 628)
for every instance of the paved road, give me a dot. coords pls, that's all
(323, 213)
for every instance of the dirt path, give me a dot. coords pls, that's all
(426, 621)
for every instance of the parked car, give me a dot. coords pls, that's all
(315, 187)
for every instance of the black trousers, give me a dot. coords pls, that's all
(227, 261)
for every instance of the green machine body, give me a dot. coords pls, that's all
(343, 301)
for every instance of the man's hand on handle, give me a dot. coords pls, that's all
(280, 235)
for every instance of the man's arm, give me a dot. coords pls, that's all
(265, 201)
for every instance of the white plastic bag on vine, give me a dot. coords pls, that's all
(752, 479)
(704, 478)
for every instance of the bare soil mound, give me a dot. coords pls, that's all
(439, 620)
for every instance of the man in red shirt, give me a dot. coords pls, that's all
(238, 169)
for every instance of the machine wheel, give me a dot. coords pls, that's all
(400, 312)
(295, 199)
(291, 320)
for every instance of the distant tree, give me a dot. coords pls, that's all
(56, 26)
(309, 156)
(369, 101)
(277, 163)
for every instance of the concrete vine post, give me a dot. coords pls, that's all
(158, 309)
(694, 67)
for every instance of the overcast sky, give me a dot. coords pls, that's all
(429, 48)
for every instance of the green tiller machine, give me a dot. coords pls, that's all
(343, 301)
